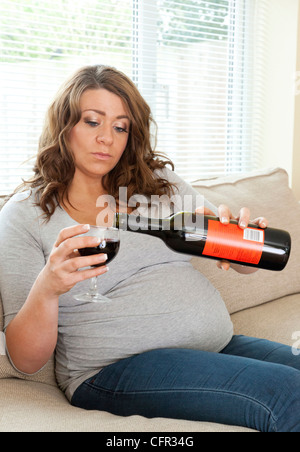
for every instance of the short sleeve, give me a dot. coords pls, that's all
(21, 253)
(189, 198)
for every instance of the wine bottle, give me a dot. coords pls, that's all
(206, 236)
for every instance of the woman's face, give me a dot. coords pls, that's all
(100, 137)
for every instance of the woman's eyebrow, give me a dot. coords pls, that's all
(102, 113)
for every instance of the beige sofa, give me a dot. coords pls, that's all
(266, 305)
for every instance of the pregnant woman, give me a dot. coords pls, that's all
(162, 343)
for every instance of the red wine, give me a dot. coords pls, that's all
(107, 246)
(206, 236)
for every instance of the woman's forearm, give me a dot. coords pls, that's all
(244, 270)
(32, 335)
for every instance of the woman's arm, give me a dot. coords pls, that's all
(32, 335)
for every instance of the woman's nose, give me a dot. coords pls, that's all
(105, 136)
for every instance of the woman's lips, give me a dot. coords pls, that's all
(102, 156)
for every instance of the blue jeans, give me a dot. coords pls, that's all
(253, 383)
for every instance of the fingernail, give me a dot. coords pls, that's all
(103, 257)
(224, 220)
(243, 225)
(96, 240)
(86, 227)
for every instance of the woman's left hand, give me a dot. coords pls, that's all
(243, 218)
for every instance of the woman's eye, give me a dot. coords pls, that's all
(120, 130)
(92, 123)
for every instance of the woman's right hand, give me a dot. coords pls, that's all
(62, 271)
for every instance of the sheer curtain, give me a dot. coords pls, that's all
(199, 63)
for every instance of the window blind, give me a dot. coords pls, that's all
(193, 61)
(205, 82)
(41, 44)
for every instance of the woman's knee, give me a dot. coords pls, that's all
(287, 404)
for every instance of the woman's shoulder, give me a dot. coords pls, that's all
(21, 207)
(169, 175)
(191, 197)
(21, 200)
(182, 187)
(165, 173)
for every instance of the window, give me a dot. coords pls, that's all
(191, 59)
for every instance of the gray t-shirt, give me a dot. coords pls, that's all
(156, 298)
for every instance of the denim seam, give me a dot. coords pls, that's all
(162, 391)
(269, 353)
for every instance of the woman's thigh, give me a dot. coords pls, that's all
(197, 385)
(263, 350)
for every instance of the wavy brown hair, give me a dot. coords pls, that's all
(54, 168)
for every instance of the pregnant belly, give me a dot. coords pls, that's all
(169, 306)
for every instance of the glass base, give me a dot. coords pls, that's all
(93, 296)
(89, 298)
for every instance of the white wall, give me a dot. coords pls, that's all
(296, 158)
(281, 62)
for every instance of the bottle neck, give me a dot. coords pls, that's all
(143, 225)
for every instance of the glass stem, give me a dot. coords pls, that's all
(94, 287)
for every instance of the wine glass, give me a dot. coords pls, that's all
(109, 244)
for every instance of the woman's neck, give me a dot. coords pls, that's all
(85, 190)
(81, 200)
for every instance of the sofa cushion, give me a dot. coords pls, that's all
(46, 375)
(266, 194)
(276, 321)
(31, 407)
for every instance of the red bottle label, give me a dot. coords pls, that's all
(230, 242)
